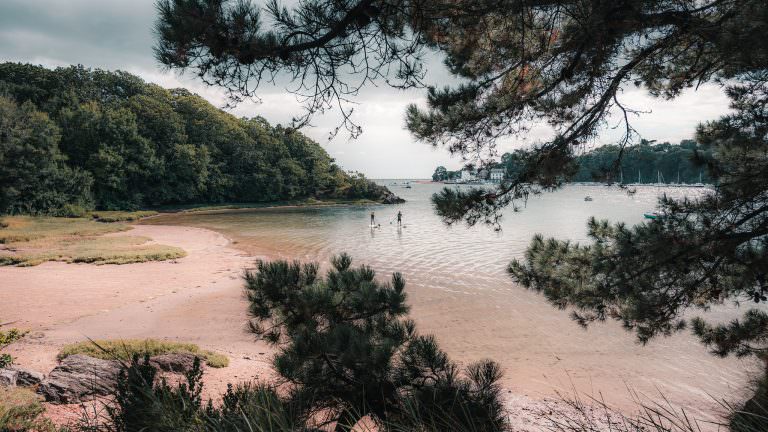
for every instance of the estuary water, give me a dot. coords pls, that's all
(459, 290)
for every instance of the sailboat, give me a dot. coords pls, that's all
(699, 184)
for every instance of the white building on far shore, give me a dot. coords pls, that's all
(467, 176)
(497, 175)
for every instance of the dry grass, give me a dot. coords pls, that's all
(25, 228)
(30, 241)
(125, 350)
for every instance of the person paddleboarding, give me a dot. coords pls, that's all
(399, 218)
(373, 219)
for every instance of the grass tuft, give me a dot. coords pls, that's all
(126, 348)
(31, 241)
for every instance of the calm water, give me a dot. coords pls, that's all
(459, 290)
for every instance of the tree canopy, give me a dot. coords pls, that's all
(78, 138)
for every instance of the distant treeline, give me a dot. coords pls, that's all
(75, 139)
(645, 162)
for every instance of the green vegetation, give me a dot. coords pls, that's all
(121, 216)
(753, 415)
(29, 241)
(20, 411)
(27, 228)
(349, 351)
(307, 202)
(682, 163)
(143, 402)
(125, 350)
(73, 139)
(8, 337)
(644, 162)
(564, 63)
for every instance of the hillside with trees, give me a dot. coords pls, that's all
(75, 139)
(645, 162)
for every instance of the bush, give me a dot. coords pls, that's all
(70, 211)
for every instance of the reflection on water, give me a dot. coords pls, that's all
(459, 290)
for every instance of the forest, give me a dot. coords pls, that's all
(74, 139)
(645, 162)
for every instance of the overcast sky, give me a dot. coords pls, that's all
(117, 34)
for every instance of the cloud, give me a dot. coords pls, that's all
(117, 34)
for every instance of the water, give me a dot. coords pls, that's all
(459, 290)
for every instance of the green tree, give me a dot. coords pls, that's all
(33, 175)
(113, 141)
(347, 350)
(440, 174)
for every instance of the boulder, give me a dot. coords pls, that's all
(78, 378)
(26, 377)
(8, 377)
(391, 198)
(175, 362)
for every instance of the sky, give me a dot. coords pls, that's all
(117, 34)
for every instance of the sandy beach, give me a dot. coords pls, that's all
(196, 299)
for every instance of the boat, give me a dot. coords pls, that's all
(652, 215)
(587, 198)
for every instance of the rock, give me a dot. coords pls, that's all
(78, 378)
(391, 198)
(175, 362)
(26, 377)
(8, 377)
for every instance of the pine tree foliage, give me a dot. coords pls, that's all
(700, 252)
(348, 350)
(144, 401)
(563, 62)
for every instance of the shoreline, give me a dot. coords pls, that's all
(195, 299)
